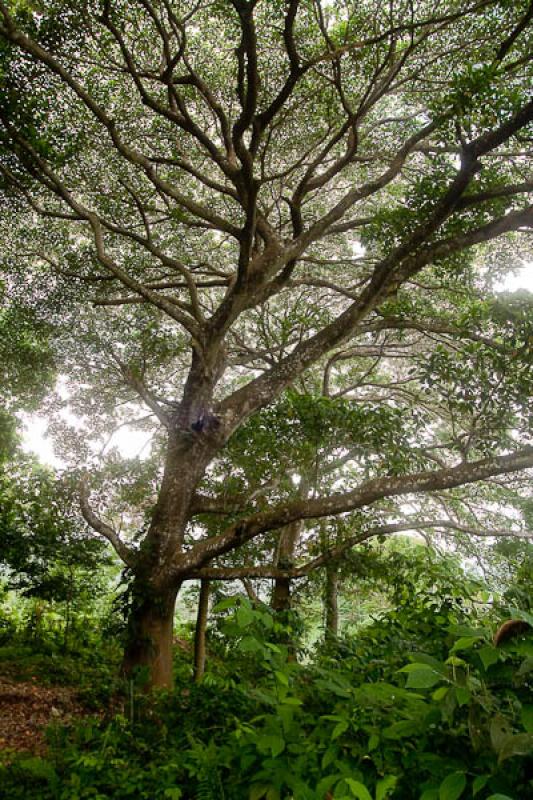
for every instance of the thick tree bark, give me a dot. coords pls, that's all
(161, 564)
(150, 634)
(200, 631)
(331, 603)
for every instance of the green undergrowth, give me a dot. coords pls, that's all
(92, 668)
(40, 643)
(419, 706)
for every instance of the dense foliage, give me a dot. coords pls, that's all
(418, 703)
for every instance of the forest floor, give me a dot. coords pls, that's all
(26, 708)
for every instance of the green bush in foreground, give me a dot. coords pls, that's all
(420, 705)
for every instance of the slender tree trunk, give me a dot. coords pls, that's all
(150, 632)
(281, 595)
(281, 590)
(199, 634)
(286, 552)
(331, 602)
(281, 600)
(285, 556)
(250, 591)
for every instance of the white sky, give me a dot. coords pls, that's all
(522, 279)
(132, 443)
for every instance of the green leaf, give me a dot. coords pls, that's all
(271, 742)
(267, 620)
(452, 786)
(465, 643)
(292, 701)
(329, 757)
(527, 717)
(430, 661)
(402, 729)
(273, 647)
(466, 631)
(463, 695)
(249, 644)
(325, 784)
(228, 602)
(335, 687)
(430, 794)
(173, 793)
(500, 797)
(358, 789)
(500, 732)
(385, 786)
(258, 791)
(282, 677)
(339, 729)
(519, 745)
(479, 783)
(489, 656)
(518, 613)
(244, 616)
(420, 676)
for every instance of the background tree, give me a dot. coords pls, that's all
(196, 170)
(42, 540)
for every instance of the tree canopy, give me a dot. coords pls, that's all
(277, 226)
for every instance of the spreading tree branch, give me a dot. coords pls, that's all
(364, 495)
(124, 551)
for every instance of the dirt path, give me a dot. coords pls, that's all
(26, 708)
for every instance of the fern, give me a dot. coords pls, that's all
(203, 766)
(210, 785)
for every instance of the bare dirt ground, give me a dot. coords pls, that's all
(26, 708)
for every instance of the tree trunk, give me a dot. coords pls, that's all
(281, 595)
(199, 634)
(331, 602)
(157, 568)
(281, 600)
(149, 643)
(253, 597)
(281, 592)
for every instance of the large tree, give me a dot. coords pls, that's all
(215, 198)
